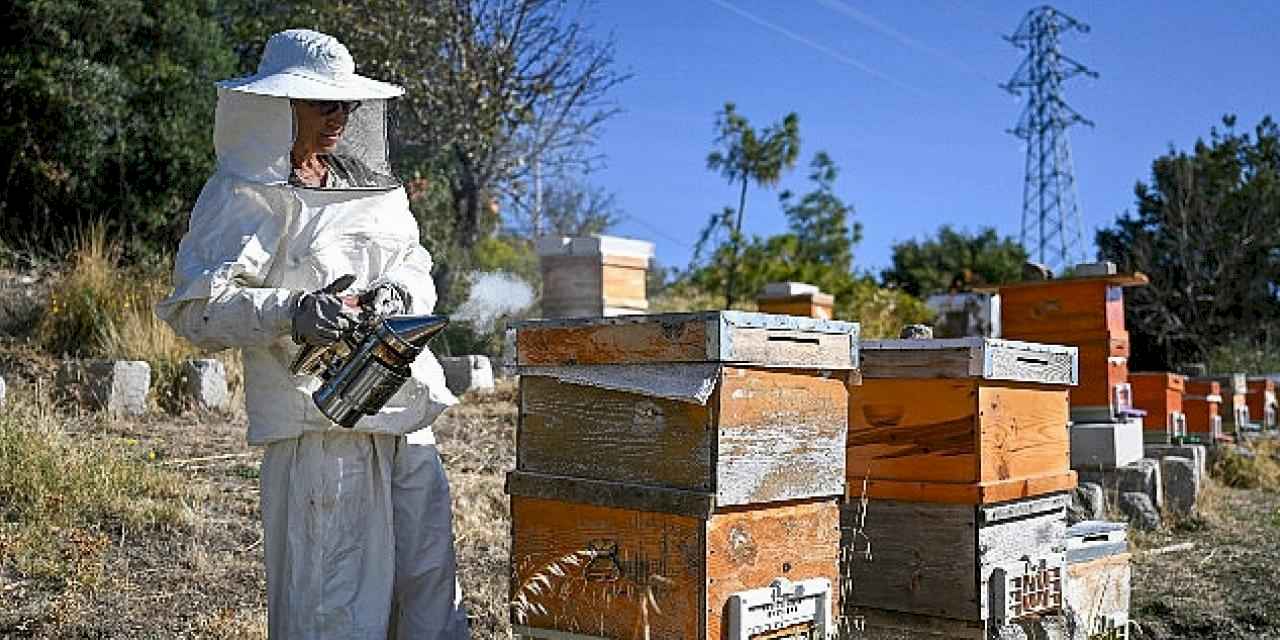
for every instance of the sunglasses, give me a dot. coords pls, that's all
(330, 107)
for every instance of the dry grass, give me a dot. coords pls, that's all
(1258, 471)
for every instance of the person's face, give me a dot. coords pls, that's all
(321, 123)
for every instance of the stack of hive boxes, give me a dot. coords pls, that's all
(795, 299)
(1261, 399)
(1086, 312)
(593, 276)
(1235, 402)
(679, 476)
(1202, 406)
(1160, 395)
(958, 471)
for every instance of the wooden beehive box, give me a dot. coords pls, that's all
(795, 299)
(1202, 405)
(1261, 398)
(669, 464)
(1090, 306)
(956, 562)
(967, 420)
(593, 276)
(1160, 394)
(1098, 589)
(1235, 401)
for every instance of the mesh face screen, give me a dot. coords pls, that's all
(360, 159)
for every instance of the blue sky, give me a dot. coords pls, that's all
(903, 96)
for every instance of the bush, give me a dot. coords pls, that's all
(99, 309)
(1255, 468)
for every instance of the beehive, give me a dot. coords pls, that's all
(593, 276)
(1085, 312)
(1235, 402)
(1160, 394)
(967, 421)
(1202, 404)
(795, 299)
(960, 566)
(1099, 578)
(672, 468)
(1261, 399)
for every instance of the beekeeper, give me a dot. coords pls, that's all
(357, 524)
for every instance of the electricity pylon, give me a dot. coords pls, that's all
(1051, 229)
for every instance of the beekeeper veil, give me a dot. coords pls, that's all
(257, 124)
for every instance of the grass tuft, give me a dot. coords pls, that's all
(1261, 470)
(63, 499)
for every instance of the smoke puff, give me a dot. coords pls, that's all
(493, 295)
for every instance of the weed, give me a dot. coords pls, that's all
(1255, 468)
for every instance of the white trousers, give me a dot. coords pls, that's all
(358, 540)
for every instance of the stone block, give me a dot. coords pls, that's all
(467, 373)
(205, 383)
(118, 387)
(1142, 476)
(1196, 452)
(1141, 512)
(1181, 484)
(1105, 445)
(1088, 502)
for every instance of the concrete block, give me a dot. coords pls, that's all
(1196, 452)
(1090, 269)
(1141, 513)
(119, 387)
(1181, 484)
(205, 383)
(467, 373)
(1088, 502)
(1105, 445)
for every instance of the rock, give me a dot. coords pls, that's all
(205, 383)
(1142, 476)
(119, 387)
(467, 373)
(916, 332)
(1088, 502)
(1181, 484)
(1142, 514)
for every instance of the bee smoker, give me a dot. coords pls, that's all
(368, 365)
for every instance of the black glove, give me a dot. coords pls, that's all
(321, 317)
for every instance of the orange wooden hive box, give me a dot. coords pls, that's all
(795, 299)
(1261, 398)
(1201, 405)
(1159, 394)
(1087, 313)
(678, 476)
(965, 421)
(1235, 401)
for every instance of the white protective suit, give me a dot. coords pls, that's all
(357, 522)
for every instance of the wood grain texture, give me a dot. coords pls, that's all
(587, 432)
(677, 339)
(923, 558)
(1100, 588)
(956, 362)
(1023, 432)
(913, 430)
(880, 624)
(974, 493)
(748, 548)
(781, 436)
(805, 306)
(988, 358)
(790, 348)
(694, 504)
(606, 572)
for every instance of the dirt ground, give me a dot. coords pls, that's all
(206, 580)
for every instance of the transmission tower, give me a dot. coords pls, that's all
(1051, 230)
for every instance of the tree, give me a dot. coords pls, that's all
(570, 207)
(106, 106)
(954, 261)
(746, 156)
(1205, 231)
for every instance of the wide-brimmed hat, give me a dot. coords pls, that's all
(309, 65)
